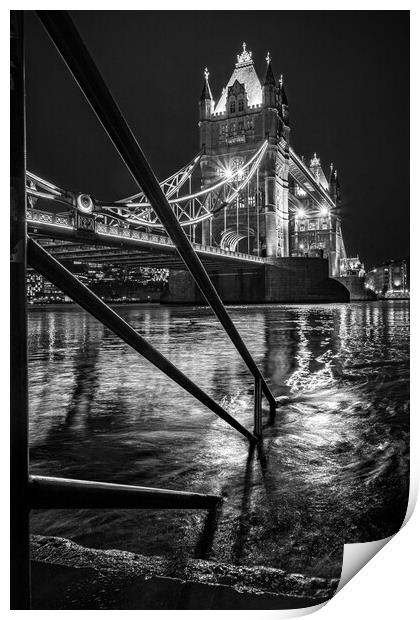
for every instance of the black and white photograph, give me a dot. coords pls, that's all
(209, 304)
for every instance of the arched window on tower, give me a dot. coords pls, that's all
(241, 105)
(232, 106)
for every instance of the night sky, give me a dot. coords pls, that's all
(347, 80)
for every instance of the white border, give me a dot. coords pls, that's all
(387, 586)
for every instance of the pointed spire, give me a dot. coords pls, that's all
(283, 102)
(283, 96)
(206, 92)
(334, 186)
(330, 181)
(315, 161)
(269, 79)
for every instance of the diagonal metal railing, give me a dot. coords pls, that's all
(70, 45)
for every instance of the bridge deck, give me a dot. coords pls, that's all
(107, 244)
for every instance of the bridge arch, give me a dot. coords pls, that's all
(231, 238)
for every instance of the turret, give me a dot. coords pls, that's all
(206, 103)
(269, 85)
(317, 171)
(334, 185)
(283, 103)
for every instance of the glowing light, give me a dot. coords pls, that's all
(228, 173)
(85, 203)
(325, 211)
(301, 246)
(301, 212)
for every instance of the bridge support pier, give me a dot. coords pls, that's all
(281, 280)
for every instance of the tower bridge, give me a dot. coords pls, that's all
(265, 224)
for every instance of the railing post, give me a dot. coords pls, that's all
(19, 504)
(273, 411)
(258, 408)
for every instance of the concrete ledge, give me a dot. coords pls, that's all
(68, 576)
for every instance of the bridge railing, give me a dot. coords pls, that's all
(34, 492)
(45, 219)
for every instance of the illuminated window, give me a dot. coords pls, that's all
(240, 105)
(240, 126)
(232, 105)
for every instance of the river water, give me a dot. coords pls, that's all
(335, 464)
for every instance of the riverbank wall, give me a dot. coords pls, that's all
(284, 280)
(66, 575)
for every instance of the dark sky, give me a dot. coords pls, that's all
(346, 76)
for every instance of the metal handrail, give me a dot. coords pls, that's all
(48, 492)
(75, 54)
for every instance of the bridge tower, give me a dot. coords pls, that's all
(315, 226)
(249, 111)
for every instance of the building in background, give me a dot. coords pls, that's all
(113, 283)
(391, 280)
(352, 266)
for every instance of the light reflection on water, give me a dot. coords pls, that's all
(335, 467)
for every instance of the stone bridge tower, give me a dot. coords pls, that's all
(249, 111)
